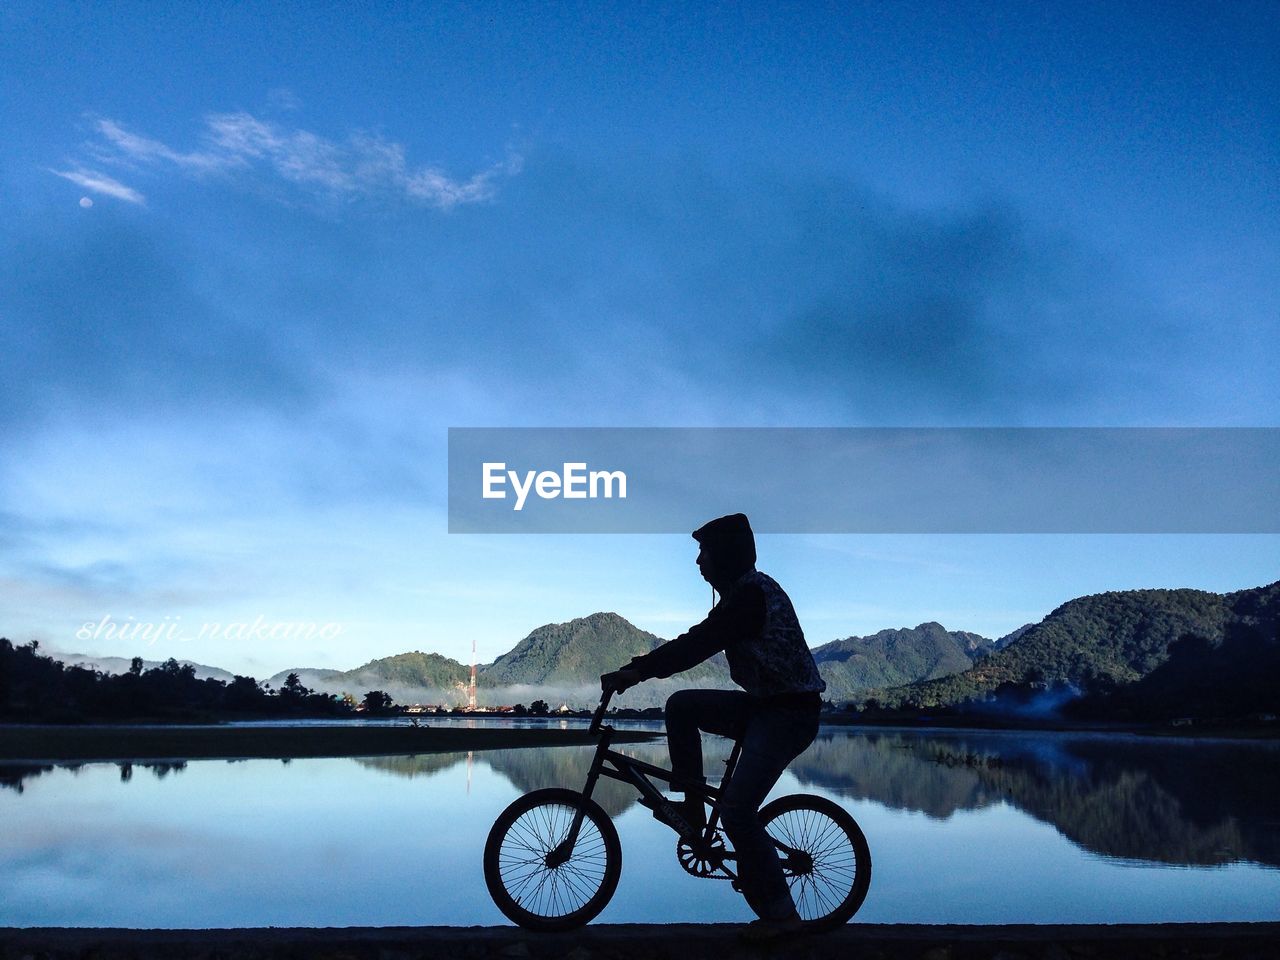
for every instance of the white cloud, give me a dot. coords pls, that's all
(101, 183)
(139, 148)
(361, 166)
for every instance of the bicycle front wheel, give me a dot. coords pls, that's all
(534, 879)
(824, 856)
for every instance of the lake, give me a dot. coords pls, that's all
(964, 827)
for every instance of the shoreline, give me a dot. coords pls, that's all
(63, 743)
(1221, 941)
(107, 742)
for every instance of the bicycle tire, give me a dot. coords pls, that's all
(535, 895)
(835, 884)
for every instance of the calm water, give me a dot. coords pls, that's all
(964, 828)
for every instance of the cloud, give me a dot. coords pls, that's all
(121, 143)
(363, 166)
(101, 183)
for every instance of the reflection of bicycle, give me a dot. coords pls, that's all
(552, 860)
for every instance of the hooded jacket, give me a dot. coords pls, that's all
(754, 623)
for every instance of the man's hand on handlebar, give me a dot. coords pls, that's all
(619, 680)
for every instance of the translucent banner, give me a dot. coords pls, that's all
(866, 480)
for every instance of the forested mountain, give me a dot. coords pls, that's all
(578, 652)
(891, 658)
(1109, 641)
(413, 677)
(1133, 653)
(407, 669)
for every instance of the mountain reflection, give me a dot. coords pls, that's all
(1185, 802)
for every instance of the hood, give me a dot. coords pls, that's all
(730, 541)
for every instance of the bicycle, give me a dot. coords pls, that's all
(552, 859)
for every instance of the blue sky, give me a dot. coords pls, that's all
(256, 259)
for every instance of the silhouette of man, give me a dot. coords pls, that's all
(776, 717)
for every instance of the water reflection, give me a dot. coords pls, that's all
(1179, 802)
(14, 776)
(1049, 828)
(1191, 803)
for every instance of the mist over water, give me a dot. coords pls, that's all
(964, 827)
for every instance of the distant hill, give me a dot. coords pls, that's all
(1105, 640)
(409, 677)
(567, 660)
(1097, 643)
(119, 665)
(578, 652)
(571, 653)
(559, 661)
(892, 658)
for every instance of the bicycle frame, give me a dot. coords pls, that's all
(618, 766)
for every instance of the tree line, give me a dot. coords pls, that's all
(35, 687)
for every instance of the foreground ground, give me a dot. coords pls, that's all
(119, 742)
(1227, 941)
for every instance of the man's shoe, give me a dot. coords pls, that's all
(695, 814)
(765, 931)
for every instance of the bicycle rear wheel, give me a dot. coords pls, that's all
(824, 856)
(533, 880)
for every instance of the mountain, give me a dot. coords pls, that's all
(1171, 640)
(567, 660)
(558, 661)
(571, 653)
(1109, 640)
(577, 652)
(409, 677)
(118, 665)
(892, 658)
(1009, 638)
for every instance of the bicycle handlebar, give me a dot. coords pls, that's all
(599, 714)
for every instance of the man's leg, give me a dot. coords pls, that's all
(773, 738)
(689, 712)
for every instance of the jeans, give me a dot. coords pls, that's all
(772, 735)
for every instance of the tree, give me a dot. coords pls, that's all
(539, 708)
(375, 701)
(292, 688)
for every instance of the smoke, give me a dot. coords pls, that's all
(1035, 702)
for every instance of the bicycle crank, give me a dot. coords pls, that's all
(706, 861)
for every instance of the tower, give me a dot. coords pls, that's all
(471, 689)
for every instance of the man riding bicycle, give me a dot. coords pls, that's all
(776, 718)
